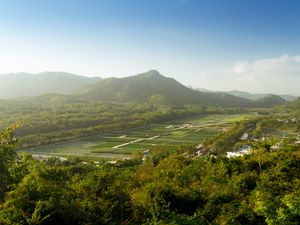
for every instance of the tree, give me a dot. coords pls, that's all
(7, 159)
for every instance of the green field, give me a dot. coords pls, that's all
(123, 144)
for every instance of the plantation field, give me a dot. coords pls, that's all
(123, 144)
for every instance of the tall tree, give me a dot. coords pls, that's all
(7, 159)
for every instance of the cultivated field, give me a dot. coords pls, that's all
(123, 144)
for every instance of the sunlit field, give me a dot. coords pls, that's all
(123, 144)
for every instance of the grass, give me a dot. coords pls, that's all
(171, 134)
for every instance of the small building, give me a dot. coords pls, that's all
(146, 154)
(199, 146)
(244, 137)
(200, 152)
(243, 150)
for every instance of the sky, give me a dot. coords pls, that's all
(249, 45)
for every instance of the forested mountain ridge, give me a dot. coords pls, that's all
(154, 86)
(27, 84)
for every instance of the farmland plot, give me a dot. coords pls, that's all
(123, 144)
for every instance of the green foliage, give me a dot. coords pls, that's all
(7, 159)
(231, 139)
(167, 188)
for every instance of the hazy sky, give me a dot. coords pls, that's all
(251, 45)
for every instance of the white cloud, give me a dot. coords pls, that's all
(284, 65)
(277, 75)
(240, 68)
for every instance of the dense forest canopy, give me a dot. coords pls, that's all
(168, 188)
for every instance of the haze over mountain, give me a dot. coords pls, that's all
(27, 84)
(136, 89)
(248, 95)
(253, 96)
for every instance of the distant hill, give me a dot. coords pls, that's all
(269, 101)
(289, 97)
(294, 104)
(252, 96)
(26, 84)
(141, 87)
(247, 95)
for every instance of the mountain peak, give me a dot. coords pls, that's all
(152, 73)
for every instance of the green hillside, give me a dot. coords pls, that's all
(141, 87)
(269, 101)
(152, 84)
(294, 104)
(26, 84)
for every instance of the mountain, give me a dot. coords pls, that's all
(26, 84)
(141, 87)
(269, 101)
(252, 96)
(58, 87)
(247, 95)
(295, 105)
(201, 89)
(289, 98)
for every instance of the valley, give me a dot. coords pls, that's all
(131, 142)
(146, 149)
(161, 112)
